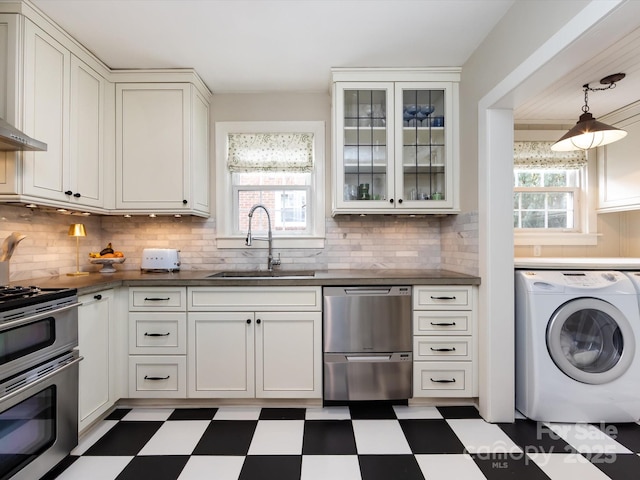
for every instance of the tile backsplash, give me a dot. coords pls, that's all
(370, 242)
(47, 249)
(459, 243)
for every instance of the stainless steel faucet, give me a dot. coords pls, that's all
(270, 260)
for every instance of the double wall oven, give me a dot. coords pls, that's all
(38, 379)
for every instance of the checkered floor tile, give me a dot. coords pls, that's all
(378, 442)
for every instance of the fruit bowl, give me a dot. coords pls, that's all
(107, 263)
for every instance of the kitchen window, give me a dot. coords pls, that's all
(279, 165)
(546, 199)
(551, 196)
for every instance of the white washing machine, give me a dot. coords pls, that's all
(635, 279)
(577, 346)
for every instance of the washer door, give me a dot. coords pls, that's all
(590, 340)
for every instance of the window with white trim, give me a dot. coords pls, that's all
(279, 165)
(546, 199)
(550, 196)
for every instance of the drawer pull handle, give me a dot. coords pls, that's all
(453, 380)
(443, 324)
(157, 334)
(156, 299)
(147, 377)
(446, 349)
(442, 298)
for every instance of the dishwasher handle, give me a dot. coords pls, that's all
(367, 291)
(368, 358)
(373, 357)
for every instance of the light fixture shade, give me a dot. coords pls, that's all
(588, 133)
(77, 230)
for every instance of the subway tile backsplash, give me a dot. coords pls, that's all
(459, 243)
(352, 242)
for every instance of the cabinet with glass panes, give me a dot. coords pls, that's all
(395, 141)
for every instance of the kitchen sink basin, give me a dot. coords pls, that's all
(263, 274)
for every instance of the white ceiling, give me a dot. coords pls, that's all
(291, 45)
(552, 104)
(276, 45)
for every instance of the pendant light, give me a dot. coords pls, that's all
(588, 132)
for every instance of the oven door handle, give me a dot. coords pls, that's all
(41, 379)
(33, 318)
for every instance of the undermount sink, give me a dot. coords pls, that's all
(263, 274)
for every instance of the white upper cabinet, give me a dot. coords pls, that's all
(125, 141)
(618, 167)
(63, 105)
(395, 141)
(47, 68)
(162, 155)
(87, 146)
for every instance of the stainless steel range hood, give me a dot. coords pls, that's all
(13, 140)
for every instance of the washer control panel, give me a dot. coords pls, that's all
(589, 279)
(557, 281)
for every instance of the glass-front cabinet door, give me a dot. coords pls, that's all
(423, 158)
(394, 147)
(365, 149)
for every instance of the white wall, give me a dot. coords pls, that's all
(272, 107)
(529, 35)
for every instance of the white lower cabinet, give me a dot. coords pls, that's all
(157, 376)
(96, 343)
(444, 341)
(157, 342)
(247, 342)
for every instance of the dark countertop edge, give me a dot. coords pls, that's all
(95, 282)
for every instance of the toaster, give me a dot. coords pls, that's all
(160, 259)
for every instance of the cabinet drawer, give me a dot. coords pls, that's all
(158, 298)
(158, 333)
(255, 298)
(442, 348)
(157, 376)
(442, 298)
(442, 323)
(442, 379)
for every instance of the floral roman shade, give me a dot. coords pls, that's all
(540, 155)
(270, 152)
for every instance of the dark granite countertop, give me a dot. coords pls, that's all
(96, 281)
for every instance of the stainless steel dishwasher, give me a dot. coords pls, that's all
(367, 343)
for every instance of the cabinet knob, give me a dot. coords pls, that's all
(184, 202)
(68, 192)
(248, 321)
(98, 297)
(391, 200)
(400, 201)
(258, 321)
(77, 195)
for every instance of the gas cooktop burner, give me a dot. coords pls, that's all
(14, 297)
(7, 292)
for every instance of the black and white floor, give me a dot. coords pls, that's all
(346, 443)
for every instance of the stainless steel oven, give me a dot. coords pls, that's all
(32, 333)
(38, 379)
(39, 418)
(367, 343)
